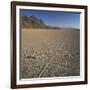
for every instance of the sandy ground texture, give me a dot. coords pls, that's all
(49, 53)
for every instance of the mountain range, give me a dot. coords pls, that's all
(34, 22)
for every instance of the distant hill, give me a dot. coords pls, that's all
(71, 29)
(31, 22)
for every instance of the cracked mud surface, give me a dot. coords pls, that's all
(49, 53)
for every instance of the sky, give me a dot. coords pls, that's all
(55, 18)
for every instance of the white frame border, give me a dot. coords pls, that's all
(58, 79)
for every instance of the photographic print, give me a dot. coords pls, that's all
(50, 44)
(48, 47)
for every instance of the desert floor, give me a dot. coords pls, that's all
(49, 53)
